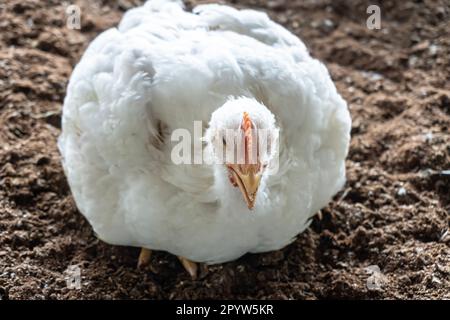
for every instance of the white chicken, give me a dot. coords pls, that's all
(164, 68)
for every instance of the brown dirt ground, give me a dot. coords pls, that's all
(393, 212)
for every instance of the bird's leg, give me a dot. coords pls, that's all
(144, 258)
(191, 267)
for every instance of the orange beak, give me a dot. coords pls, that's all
(247, 177)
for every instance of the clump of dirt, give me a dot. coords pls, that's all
(384, 236)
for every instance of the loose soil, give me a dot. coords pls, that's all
(386, 235)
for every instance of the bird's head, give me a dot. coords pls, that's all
(244, 140)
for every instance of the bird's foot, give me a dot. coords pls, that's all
(144, 258)
(191, 267)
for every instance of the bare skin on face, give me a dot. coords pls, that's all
(247, 176)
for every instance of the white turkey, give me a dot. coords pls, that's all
(162, 70)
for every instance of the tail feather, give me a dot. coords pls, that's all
(164, 5)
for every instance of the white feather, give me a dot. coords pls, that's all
(166, 65)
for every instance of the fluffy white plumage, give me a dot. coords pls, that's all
(165, 65)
